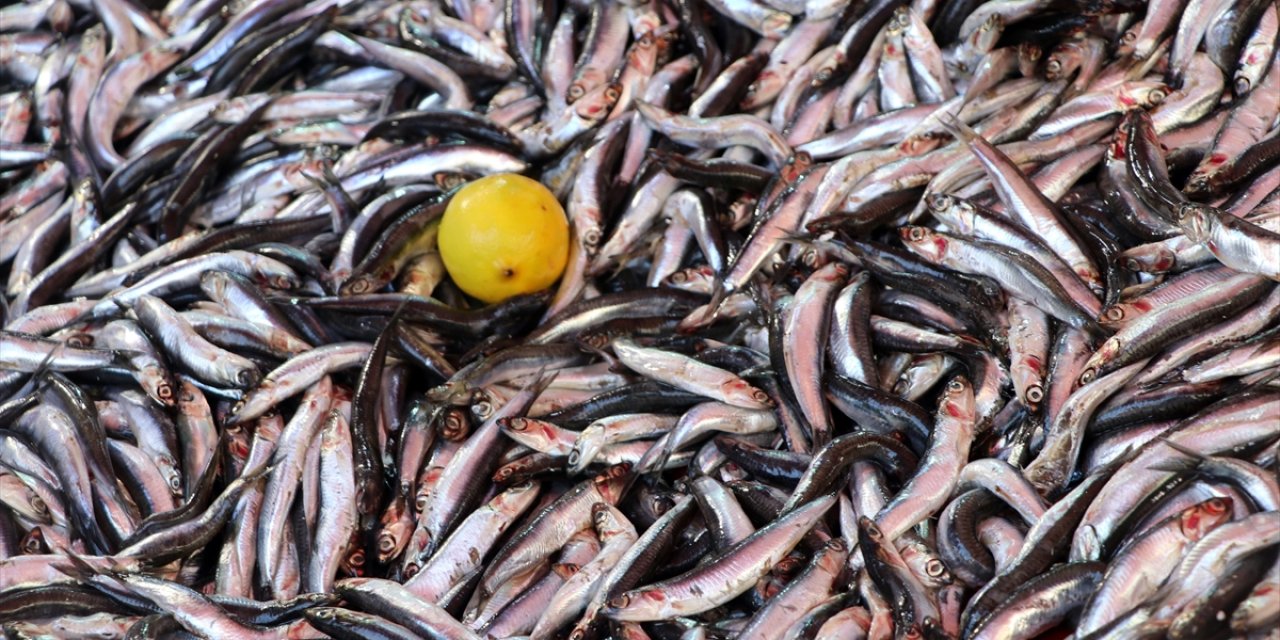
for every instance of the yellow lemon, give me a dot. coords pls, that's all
(504, 235)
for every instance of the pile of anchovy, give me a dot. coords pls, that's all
(882, 319)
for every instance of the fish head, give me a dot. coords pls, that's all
(606, 519)
(958, 400)
(1205, 517)
(1113, 314)
(596, 104)
(353, 563)
(611, 482)
(697, 278)
(638, 604)
(1195, 220)
(939, 202)
(1127, 41)
(924, 242)
(1143, 95)
(1119, 146)
(795, 166)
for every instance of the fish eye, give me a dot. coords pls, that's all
(1157, 96)
(1088, 375)
(1115, 314)
(34, 543)
(939, 201)
(358, 285)
(575, 91)
(385, 543)
(935, 568)
(1035, 394)
(38, 504)
(916, 234)
(955, 385)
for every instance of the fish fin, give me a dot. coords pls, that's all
(958, 128)
(1190, 461)
(76, 566)
(1176, 465)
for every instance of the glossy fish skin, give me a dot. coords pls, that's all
(226, 330)
(72, 470)
(1236, 243)
(813, 584)
(183, 344)
(981, 223)
(337, 517)
(450, 563)
(1043, 603)
(1120, 587)
(691, 376)
(1024, 277)
(616, 535)
(393, 602)
(744, 563)
(804, 362)
(295, 375)
(850, 348)
(1065, 435)
(940, 467)
(1137, 340)
(569, 513)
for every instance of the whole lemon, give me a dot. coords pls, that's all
(504, 235)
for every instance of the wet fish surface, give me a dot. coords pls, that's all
(885, 319)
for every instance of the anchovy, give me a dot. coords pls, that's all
(702, 589)
(228, 329)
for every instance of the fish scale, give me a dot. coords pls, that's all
(996, 277)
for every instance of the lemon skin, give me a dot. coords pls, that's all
(503, 235)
